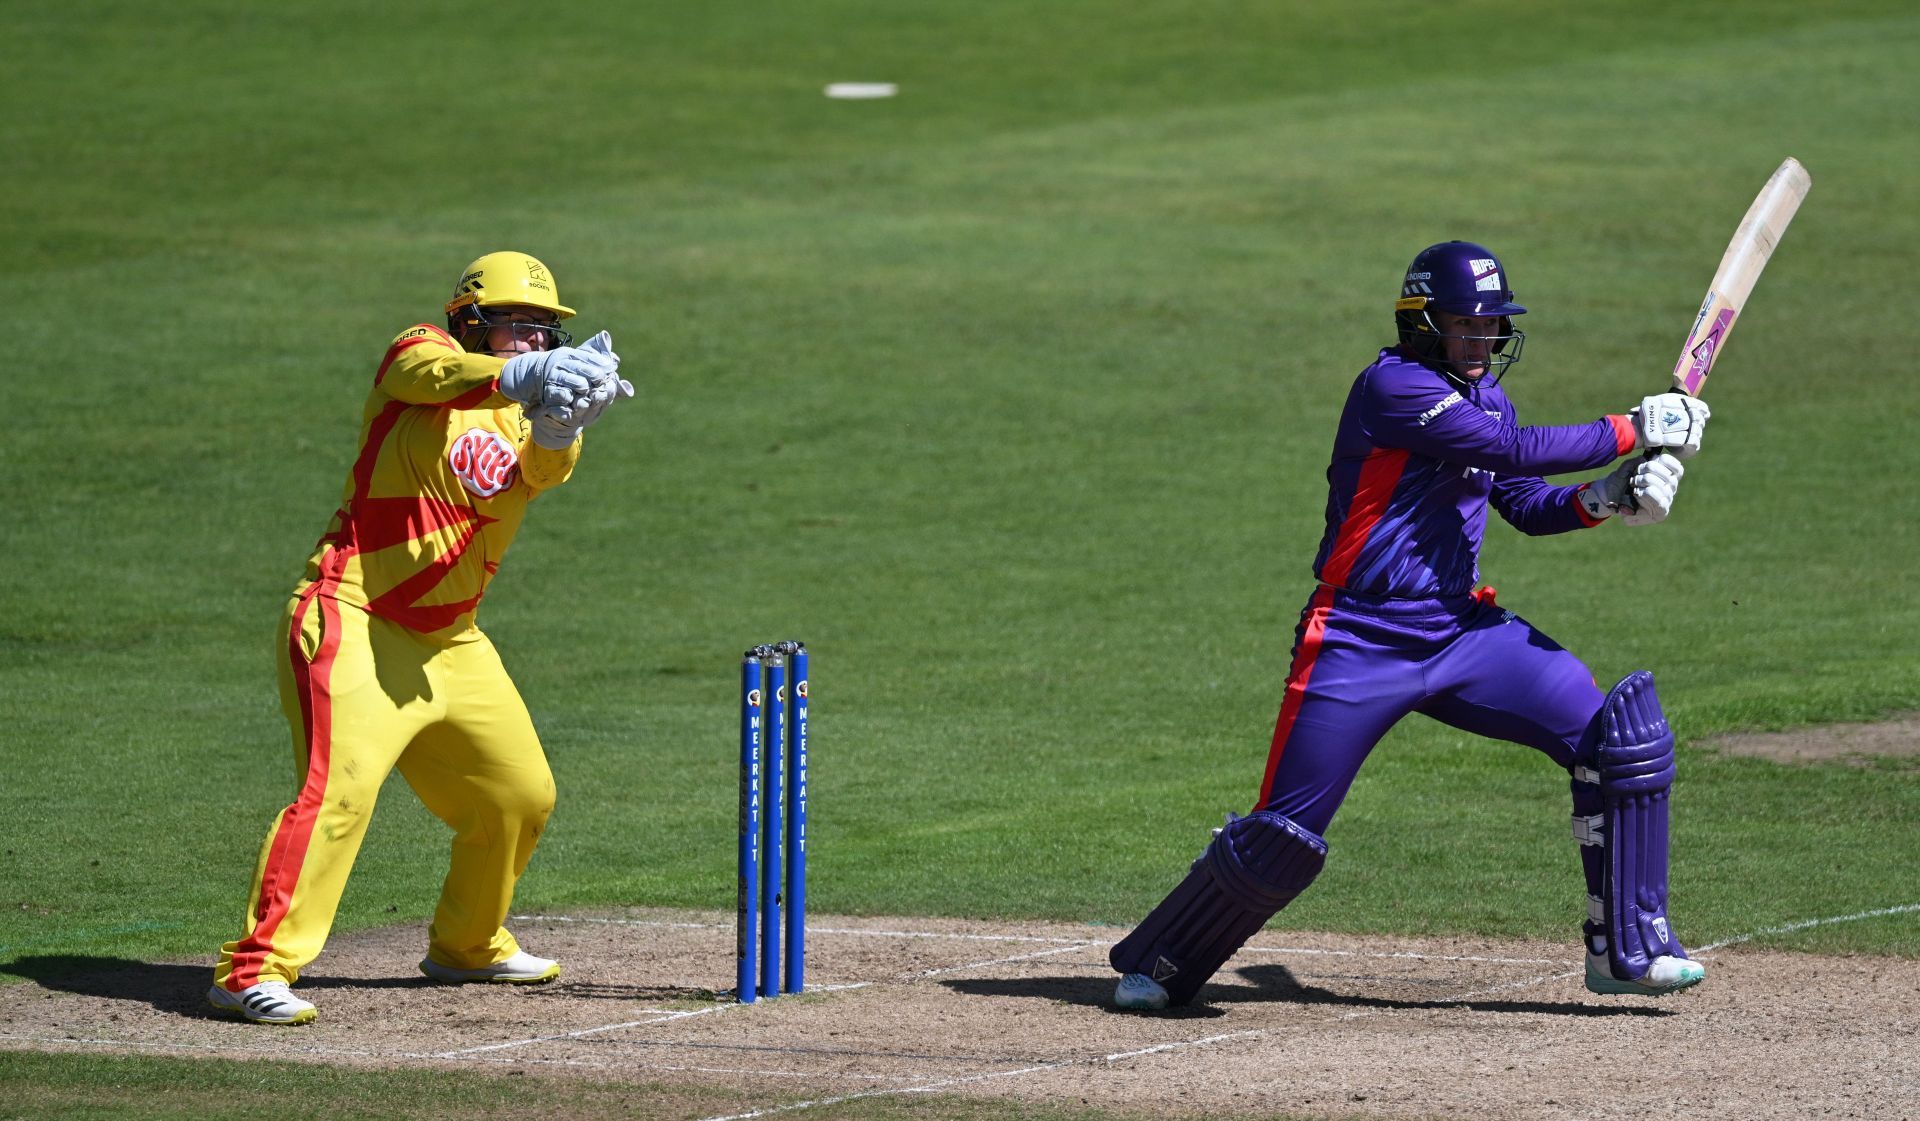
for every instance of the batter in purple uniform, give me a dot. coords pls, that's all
(1427, 441)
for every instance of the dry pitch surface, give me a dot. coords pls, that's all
(1312, 1025)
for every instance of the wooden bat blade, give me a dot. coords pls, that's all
(1753, 243)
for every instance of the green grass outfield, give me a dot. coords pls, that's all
(1011, 395)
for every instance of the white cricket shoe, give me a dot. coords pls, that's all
(1138, 992)
(1667, 975)
(520, 969)
(268, 1002)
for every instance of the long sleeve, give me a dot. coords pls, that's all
(425, 366)
(1407, 406)
(544, 468)
(1536, 507)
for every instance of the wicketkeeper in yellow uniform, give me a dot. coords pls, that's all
(381, 663)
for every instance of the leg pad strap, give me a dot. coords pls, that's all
(1633, 766)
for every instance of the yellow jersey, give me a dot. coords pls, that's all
(445, 471)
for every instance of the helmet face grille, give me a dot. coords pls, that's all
(1459, 278)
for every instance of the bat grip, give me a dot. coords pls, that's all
(1649, 453)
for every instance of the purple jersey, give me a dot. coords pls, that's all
(1415, 462)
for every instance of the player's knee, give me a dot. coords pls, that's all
(1263, 860)
(1628, 748)
(527, 805)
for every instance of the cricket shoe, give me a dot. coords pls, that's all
(268, 1002)
(1667, 975)
(520, 969)
(1138, 992)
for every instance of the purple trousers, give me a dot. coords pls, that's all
(1361, 663)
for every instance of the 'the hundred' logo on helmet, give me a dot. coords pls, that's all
(484, 462)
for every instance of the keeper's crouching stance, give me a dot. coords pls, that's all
(383, 665)
(1428, 442)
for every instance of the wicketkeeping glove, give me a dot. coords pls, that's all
(1642, 490)
(1673, 421)
(553, 427)
(608, 385)
(554, 377)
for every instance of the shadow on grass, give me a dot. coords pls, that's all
(182, 989)
(164, 986)
(1275, 984)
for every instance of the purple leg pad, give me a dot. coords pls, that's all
(1634, 761)
(1254, 867)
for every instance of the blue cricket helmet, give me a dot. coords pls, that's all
(1458, 277)
(1462, 278)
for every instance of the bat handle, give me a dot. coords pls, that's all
(1649, 453)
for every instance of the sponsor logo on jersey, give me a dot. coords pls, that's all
(1445, 403)
(484, 462)
(1486, 275)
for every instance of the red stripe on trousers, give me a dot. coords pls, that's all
(288, 853)
(1313, 629)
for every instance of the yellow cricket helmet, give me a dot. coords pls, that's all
(500, 280)
(508, 278)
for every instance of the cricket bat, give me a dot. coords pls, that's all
(1746, 255)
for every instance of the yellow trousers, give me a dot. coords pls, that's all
(363, 696)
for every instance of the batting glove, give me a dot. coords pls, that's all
(1672, 421)
(1642, 489)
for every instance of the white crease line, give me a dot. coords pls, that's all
(579, 1034)
(946, 1083)
(957, 937)
(624, 922)
(1248, 1034)
(1074, 942)
(1903, 909)
(1399, 954)
(1786, 928)
(811, 930)
(671, 1017)
(1002, 961)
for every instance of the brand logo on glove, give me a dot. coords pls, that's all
(484, 462)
